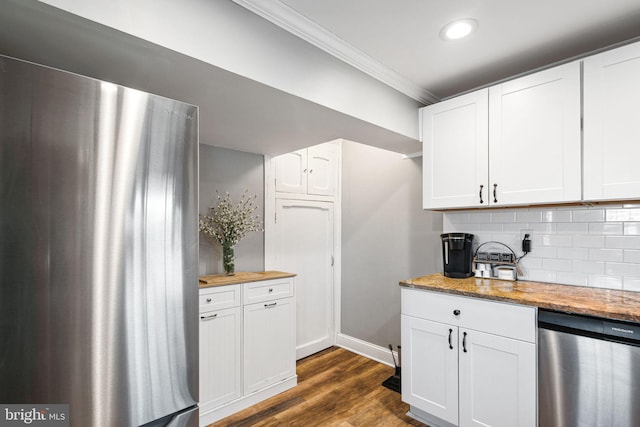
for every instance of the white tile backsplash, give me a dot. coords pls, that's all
(597, 246)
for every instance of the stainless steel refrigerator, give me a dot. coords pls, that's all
(98, 249)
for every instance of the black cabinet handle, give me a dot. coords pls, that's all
(456, 312)
(464, 342)
(495, 197)
(450, 345)
(481, 187)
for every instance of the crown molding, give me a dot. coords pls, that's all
(288, 19)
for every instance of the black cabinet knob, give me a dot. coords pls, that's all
(456, 312)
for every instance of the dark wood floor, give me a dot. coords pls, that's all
(335, 388)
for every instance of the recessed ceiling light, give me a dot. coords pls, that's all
(458, 29)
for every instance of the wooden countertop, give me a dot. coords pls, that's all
(613, 304)
(241, 277)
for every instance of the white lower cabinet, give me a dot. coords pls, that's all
(430, 367)
(468, 362)
(268, 340)
(220, 362)
(247, 345)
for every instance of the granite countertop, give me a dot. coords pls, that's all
(613, 304)
(240, 277)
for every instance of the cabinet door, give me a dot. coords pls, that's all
(269, 343)
(291, 172)
(534, 128)
(612, 124)
(455, 152)
(220, 360)
(497, 381)
(430, 367)
(322, 169)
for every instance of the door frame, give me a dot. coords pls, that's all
(270, 254)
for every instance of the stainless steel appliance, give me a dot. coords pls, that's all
(588, 371)
(457, 254)
(98, 249)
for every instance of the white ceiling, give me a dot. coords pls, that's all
(513, 36)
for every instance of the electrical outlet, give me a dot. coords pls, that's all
(525, 239)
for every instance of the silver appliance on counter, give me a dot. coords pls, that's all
(588, 371)
(98, 249)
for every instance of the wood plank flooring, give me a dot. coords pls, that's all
(335, 388)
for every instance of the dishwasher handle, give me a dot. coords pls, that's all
(596, 327)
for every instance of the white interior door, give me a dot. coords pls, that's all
(304, 245)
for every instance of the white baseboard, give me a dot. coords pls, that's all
(366, 349)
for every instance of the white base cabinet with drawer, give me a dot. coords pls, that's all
(247, 345)
(468, 362)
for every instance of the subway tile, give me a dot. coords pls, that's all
(557, 264)
(622, 269)
(573, 253)
(588, 215)
(622, 242)
(509, 239)
(456, 217)
(487, 227)
(588, 267)
(531, 262)
(588, 241)
(503, 216)
(529, 216)
(572, 228)
(602, 281)
(543, 227)
(566, 278)
(631, 284)
(556, 240)
(612, 255)
(515, 227)
(605, 228)
(542, 276)
(632, 256)
(544, 252)
(479, 217)
(612, 205)
(631, 229)
(554, 215)
(623, 214)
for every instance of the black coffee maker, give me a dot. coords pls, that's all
(457, 254)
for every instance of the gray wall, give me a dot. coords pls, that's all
(233, 171)
(386, 237)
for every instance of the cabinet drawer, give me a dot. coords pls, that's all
(504, 319)
(219, 297)
(267, 290)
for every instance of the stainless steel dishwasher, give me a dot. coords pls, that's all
(588, 371)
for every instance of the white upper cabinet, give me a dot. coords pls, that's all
(455, 152)
(291, 172)
(612, 124)
(516, 143)
(322, 164)
(312, 171)
(534, 138)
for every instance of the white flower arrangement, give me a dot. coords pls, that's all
(229, 223)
